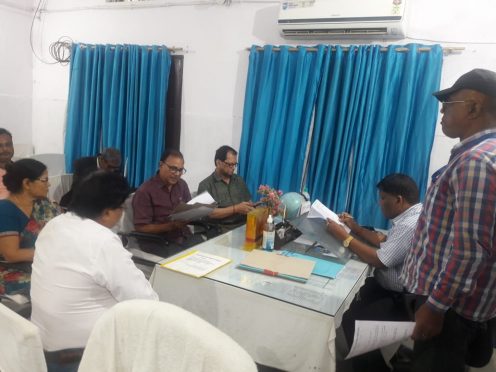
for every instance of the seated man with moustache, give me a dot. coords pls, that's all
(156, 199)
(228, 190)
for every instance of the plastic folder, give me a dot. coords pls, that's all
(274, 264)
(322, 267)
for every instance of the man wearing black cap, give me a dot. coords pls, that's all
(451, 267)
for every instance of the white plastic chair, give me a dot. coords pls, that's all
(22, 150)
(144, 335)
(20, 344)
(59, 185)
(126, 224)
(54, 162)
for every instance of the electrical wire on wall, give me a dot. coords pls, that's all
(41, 3)
(60, 50)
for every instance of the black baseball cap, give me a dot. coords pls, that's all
(481, 80)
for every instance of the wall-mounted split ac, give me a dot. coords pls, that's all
(342, 19)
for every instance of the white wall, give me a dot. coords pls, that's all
(16, 79)
(454, 23)
(215, 38)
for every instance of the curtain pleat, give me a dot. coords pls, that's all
(280, 94)
(117, 98)
(384, 124)
(373, 114)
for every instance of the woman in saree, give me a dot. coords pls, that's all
(22, 216)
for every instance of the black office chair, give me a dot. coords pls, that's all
(151, 243)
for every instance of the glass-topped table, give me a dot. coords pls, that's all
(281, 323)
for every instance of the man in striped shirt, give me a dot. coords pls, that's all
(380, 298)
(452, 264)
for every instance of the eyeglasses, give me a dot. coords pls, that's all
(113, 168)
(230, 165)
(445, 103)
(44, 180)
(175, 169)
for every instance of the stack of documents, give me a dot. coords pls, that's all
(274, 264)
(197, 208)
(319, 210)
(314, 231)
(203, 198)
(371, 335)
(196, 263)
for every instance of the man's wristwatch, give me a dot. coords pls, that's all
(347, 241)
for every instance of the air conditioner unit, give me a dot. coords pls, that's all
(342, 19)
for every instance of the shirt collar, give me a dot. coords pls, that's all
(472, 141)
(162, 184)
(217, 178)
(412, 210)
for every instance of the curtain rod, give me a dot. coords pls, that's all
(171, 49)
(446, 50)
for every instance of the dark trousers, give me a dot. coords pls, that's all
(66, 360)
(372, 302)
(450, 351)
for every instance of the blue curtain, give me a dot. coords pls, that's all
(117, 98)
(280, 93)
(375, 115)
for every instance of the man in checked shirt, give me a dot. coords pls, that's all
(452, 264)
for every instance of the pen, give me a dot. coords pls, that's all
(310, 247)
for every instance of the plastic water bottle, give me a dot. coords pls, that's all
(269, 234)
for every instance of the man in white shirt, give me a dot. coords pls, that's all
(81, 269)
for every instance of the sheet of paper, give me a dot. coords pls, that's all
(17, 298)
(371, 335)
(203, 198)
(196, 263)
(185, 212)
(145, 255)
(319, 210)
